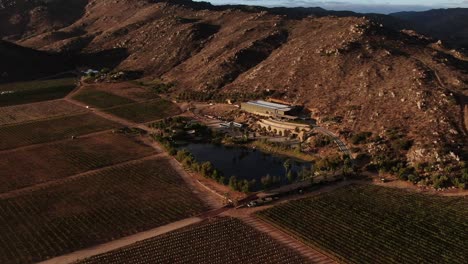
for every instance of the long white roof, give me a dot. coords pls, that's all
(270, 105)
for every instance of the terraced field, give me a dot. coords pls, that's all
(41, 110)
(93, 209)
(100, 99)
(224, 240)
(370, 224)
(145, 111)
(35, 91)
(44, 163)
(24, 134)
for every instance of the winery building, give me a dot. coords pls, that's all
(264, 108)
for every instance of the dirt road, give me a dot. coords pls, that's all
(122, 242)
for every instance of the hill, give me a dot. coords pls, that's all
(355, 73)
(448, 25)
(19, 63)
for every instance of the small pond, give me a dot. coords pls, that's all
(244, 163)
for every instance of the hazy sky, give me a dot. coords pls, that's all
(377, 6)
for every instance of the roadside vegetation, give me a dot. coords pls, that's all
(220, 241)
(35, 91)
(87, 211)
(24, 134)
(360, 224)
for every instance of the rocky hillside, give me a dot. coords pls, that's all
(23, 18)
(448, 25)
(354, 73)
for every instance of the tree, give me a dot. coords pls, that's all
(287, 165)
(206, 169)
(291, 176)
(245, 186)
(233, 183)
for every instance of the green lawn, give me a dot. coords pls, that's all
(145, 111)
(100, 99)
(370, 224)
(35, 91)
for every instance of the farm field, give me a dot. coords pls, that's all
(128, 90)
(41, 110)
(44, 163)
(24, 134)
(145, 111)
(223, 240)
(35, 91)
(100, 99)
(93, 209)
(370, 224)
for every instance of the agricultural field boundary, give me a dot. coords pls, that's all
(5, 151)
(40, 186)
(287, 240)
(122, 242)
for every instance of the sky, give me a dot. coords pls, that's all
(363, 6)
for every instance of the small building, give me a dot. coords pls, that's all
(269, 109)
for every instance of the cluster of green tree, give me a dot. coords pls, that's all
(244, 186)
(177, 128)
(206, 169)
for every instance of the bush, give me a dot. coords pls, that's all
(360, 137)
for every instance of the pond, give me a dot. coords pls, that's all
(244, 163)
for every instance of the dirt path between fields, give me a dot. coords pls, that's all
(122, 242)
(50, 183)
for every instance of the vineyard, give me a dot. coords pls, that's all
(35, 91)
(103, 206)
(24, 134)
(224, 240)
(145, 111)
(41, 110)
(362, 224)
(100, 99)
(49, 162)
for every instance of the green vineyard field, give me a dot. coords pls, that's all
(100, 99)
(93, 209)
(370, 224)
(24, 134)
(145, 111)
(44, 163)
(222, 241)
(35, 91)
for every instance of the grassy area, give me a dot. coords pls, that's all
(24, 134)
(45, 163)
(269, 148)
(146, 111)
(100, 99)
(94, 209)
(225, 240)
(363, 224)
(35, 91)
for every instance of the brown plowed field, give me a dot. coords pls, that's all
(53, 161)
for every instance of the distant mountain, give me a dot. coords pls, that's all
(21, 18)
(448, 25)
